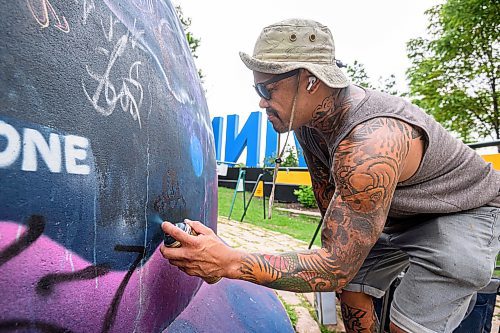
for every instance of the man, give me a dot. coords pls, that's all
(395, 190)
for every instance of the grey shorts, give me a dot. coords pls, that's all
(448, 258)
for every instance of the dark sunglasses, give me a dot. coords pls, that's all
(261, 88)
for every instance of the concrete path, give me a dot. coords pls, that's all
(255, 239)
(297, 211)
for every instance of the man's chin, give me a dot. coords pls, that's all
(279, 128)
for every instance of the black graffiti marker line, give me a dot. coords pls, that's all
(46, 284)
(14, 325)
(36, 225)
(110, 317)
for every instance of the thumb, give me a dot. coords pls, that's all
(199, 227)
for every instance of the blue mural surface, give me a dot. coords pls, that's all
(104, 134)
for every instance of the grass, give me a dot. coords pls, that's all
(313, 314)
(292, 314)
(299, 226)
(496, 273)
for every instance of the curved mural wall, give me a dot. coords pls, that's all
(104, 133)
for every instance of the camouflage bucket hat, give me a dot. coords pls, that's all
(297, 43)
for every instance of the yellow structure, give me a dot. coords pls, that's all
(259, 191)
(493, 159)
(302, 177)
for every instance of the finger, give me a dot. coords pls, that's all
(178, 263)
(170, 253)
(199, 227)
(179, 266)
(175, 232)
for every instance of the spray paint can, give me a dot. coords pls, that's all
(170, 241)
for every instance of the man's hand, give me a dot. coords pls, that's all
(204, 255)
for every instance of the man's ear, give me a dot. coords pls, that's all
(312, 80)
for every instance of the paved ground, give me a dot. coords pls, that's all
(255, 239)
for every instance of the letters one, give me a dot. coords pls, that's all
(33, 144)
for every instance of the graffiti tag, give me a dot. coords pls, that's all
(130, 95)
(42, 9)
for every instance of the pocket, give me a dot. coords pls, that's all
(483, 211)
(483, 222)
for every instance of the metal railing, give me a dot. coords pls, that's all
(495, 143)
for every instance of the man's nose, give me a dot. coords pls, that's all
(263, 103)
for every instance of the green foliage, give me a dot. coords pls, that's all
(358, 75)
(454, 73)
(193, 42)
(292, 314)
(305, 196)
(290, 159)
(388, 85)
(496, 272)
(269, 160)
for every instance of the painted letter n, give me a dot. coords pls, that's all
(249, 137)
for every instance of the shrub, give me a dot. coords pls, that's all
(305, 195)
(290, 158)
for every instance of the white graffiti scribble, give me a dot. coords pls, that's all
(131, 93)
(136, 38)
(88, 7)
(42, 9)
(109, 33)
(148, 6)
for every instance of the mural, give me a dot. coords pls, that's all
(104, 133)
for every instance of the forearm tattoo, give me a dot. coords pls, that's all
(365, 170)
(297, 271)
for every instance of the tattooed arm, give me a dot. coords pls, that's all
(367, 166)
(323, 188)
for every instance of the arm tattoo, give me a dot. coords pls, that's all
(299, 272)
(366, 169)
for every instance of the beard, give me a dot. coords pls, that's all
(278, 124)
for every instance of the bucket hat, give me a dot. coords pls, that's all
(297, 43)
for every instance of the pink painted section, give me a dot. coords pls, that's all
(155, 294)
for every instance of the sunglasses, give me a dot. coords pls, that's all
(261, 88)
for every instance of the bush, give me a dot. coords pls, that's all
(305, 195)
(290, 158)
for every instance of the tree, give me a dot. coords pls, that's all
(357, 74)
(193, 42)
(388, 85)
(454, 73)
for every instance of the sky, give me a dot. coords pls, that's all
(372, 32)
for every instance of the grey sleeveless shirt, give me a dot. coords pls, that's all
(451, 177)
